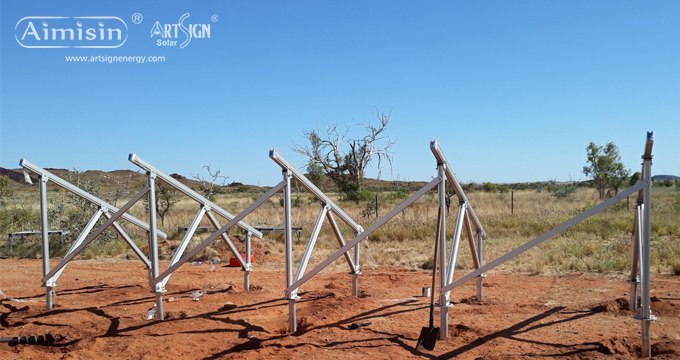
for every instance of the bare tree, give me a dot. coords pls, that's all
(166, 198)
(213, 183)
(344, 159)
(119, 188)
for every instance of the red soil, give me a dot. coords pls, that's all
(100, 309)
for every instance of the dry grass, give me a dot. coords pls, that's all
(599, 245)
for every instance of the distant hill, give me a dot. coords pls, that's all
(665, 178)
(108, 181)
(131, 181)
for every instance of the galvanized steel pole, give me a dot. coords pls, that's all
(443, 298)
(248, 267)
(288, 232)
(356, 272)
(45, 238)
(634, 278)
(646, 311)
(480, 261)
(153, 243)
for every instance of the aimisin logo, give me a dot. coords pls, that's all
(170, 34)
(51, 32)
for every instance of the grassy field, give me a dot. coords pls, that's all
(599, 245)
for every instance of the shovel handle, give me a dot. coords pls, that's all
(434, 265)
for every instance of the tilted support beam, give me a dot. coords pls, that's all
(457, 189)
(274, 155)
(84, 194)
(135, 159)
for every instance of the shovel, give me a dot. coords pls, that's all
(428, 335)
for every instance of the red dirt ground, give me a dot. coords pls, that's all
(100, 309)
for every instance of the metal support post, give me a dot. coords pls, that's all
(645, 228)
(287, 223)
(634, 278)
(357, 268)
(480, 261)
(153, 243)
(248, 267)
(45, 239)
(441, 242)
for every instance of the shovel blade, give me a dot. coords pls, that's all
(428, 338)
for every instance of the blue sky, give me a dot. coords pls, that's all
(514, 90)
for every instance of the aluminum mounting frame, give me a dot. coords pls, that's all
(467, 221)
(640, 246)
(328, 211)
(208, 209)
(50, 276)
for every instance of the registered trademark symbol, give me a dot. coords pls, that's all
(214, 18)
(137, 18)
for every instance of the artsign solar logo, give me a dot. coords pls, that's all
(58, 32)
(180, 33)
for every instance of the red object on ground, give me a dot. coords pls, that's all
(233, 262)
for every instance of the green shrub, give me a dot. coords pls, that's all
(563, 192)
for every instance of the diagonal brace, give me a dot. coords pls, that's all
(334, 225)
(97, 232)
(195, 250)
(185, 242)
(364, 234)
(547, 235)
(312, 241)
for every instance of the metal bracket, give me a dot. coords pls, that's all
(52, 282)
(248, 267)
(447, 305)
(160, 288)
(293, 295)
(639, 317)
(27, 178)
